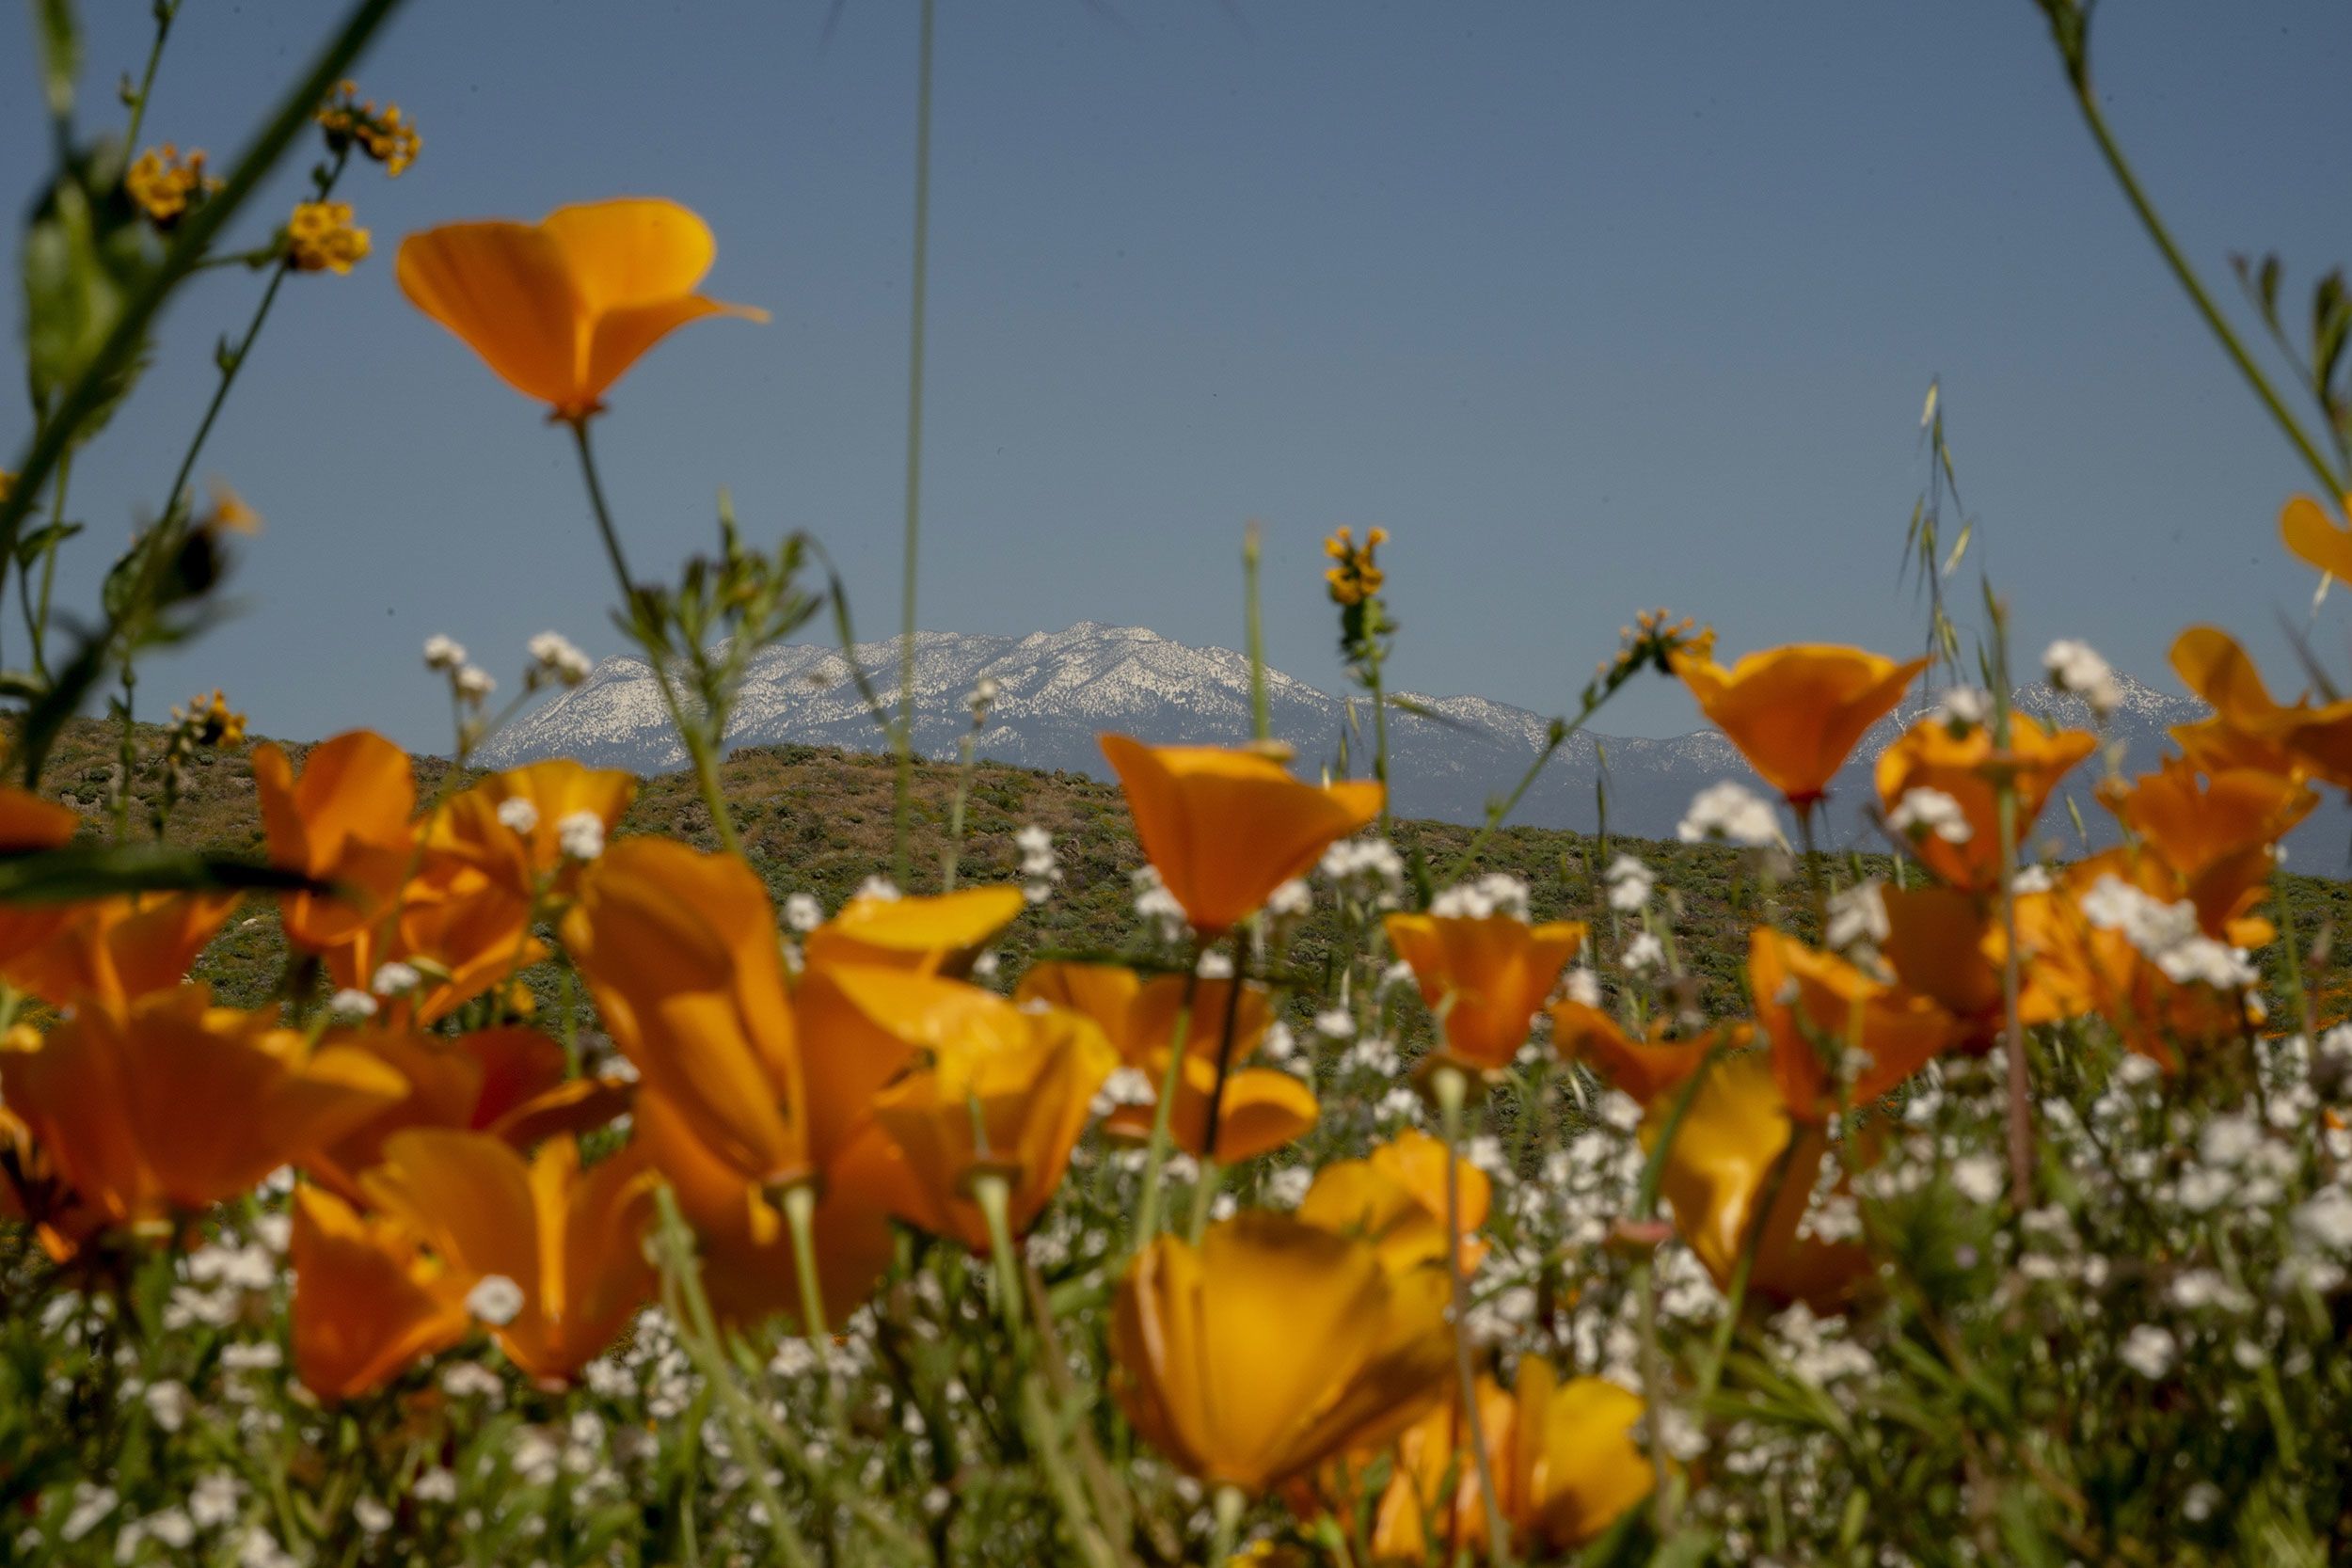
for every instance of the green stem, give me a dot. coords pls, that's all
(229, 368)
(699, 748)
(698, 1333)
(164, 12)
(99, 380)
(2079, 72)
(1452, 1088)
(1380, 727)
(902, 809)
(1155, 1153)
(1561, 729)
(1229, 1503)
(992, 1196)
(799, 1217)
(1252, 548)
(49, 565)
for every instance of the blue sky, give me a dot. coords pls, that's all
(1594, 305)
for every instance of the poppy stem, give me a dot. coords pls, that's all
(903, 735)
(1452, 1088)
(699, 745)
(1155, 1155)
(990, 1193)
(800, 1216)
(1229, 1503)
(1224, 1059)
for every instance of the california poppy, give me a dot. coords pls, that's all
(1485, 975)
(1643, 1068)
(29, 823)
(745, 1238)
(561, 309)
(166, 1104)
(2317, 739)
(117, 948)
(941, 934)
(1964, 765)
(2217, 833)
(1273, 1345)
(1225, 827)
(572, 1241)
(510, 825)
(1005, 1094)
(1394, 1197)
(1796, 712)
(1736, 1132)
(680, 950)
(368, 1301)
(2311, 534)
(1258, 1110)
(345, 822)
(1812, 1003)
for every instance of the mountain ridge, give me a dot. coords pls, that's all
(1055, 691)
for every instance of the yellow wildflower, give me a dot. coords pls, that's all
(384, 134)
(1357, 578)
(165, 183)
(209, 721)
(320, 237)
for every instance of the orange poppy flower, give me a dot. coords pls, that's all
(463, 931)
(1006, 1093)
(114, 949)
(2219, 834)
(33, 1193)
(561, 309)
(1394, 1198)
(2317, 739)
(477, 829)
(1942, 945)
(2311, 535)
(367, 1302)
(2074, 968)
(745, 1239)
(1207, 1344)
(1225, 827)
(1644, 1069)
(29, 823)
(942, 934)
(1733, 1133)
(344, 821)
(680, 950)
(1484, 976)
(1262, 1109)
(1564, 1462)
(1809, 1002)
(167, 1105)
(1967, 767)
(572, 1241)
(506, 1082)
(1796, 712)
(1104, 992)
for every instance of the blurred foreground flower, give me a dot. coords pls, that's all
(1796, 712)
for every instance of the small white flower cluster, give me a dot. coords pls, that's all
(1496, 893)
(1630, 884)
(1964, 707)
(554, 657)
(1730, 813)
(581, 836)
(1924, 813)
(2167, 935)
(1157, 908)
(803, 914)
(1857, 917)
(2077, 666)
(1290, 900)
(518, 815)
(982, 698)
(1366, 871)
(1039, 867)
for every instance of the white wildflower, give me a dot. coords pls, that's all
(552, 654)
(1857, 917)
(1644, 953)
(581, 836)
(395, 979)
(474, 682)
(517, 814)
(2149, 1350)
(441, 652)
(351, 1005)
(803, 914)
(1629, 884)
(1923, 812)
(495, 1299)
(1732, 812)
(2077, 666)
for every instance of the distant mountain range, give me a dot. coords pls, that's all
(1057, 691)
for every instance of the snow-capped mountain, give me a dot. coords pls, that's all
(1057, 691)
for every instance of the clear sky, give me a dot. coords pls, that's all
(1593, 305)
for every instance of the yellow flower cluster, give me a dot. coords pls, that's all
(1357, 578)
(320, 237)
(164, 183)
(382, 134)
(209, 721)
